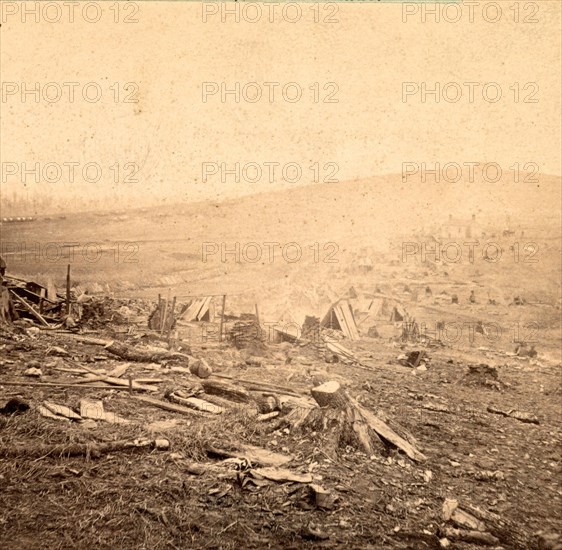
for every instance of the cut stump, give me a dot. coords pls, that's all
(341, 422)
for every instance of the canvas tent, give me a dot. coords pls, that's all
(200, 309)
(379, 308)
(397, 314)
(340, 317)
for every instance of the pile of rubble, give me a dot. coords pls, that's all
(22, 299)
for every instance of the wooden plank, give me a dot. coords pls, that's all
(350, 320)
(92, 409)
(29, 308)
(61, 410)
(119, 370)
(388, 434)
(341, 320)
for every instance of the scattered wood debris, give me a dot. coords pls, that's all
(526, 417)
(86, 449)
(281, 475)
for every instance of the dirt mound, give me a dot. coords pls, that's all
(483, 375)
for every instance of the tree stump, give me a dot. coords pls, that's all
(329, 394)
(340, 422)
(336, 421)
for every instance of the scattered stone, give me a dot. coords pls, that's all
(33, 372)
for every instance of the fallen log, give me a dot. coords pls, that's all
(475, 537)
(57, 385)
(81, 449)
(267, 416)
(508, 532)
(513, 413)
(261, 386)
(168, 406)
(280, 474)
(144, 356)
(84, 339)
(226, 390)
(131, 384)
(196, 403)
(255, 455)
(480, 526)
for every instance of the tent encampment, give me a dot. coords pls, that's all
(200, 309)
(340, 317)
(397, 314)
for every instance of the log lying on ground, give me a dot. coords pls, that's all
(472, 524)
(256, 455)
(81, 449)
(81, 385)
(261, 386)
(168, 406)
(196, 403)
(342, 421)
(226, 390)
(119, 382)
(474, 537)
(144, 356)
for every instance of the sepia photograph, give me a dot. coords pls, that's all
(281, 275)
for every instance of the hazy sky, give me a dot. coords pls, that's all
(368, 55)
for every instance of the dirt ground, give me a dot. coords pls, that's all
(185, 497)
(139, 499)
